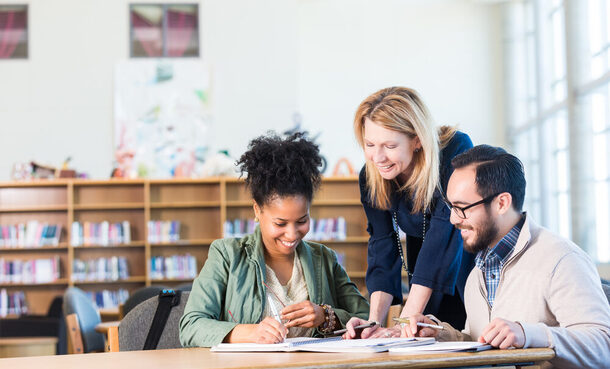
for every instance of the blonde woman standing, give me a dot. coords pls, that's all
(402, 185)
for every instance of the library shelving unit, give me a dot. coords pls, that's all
(200, 205)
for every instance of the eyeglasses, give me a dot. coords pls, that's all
(461, 211)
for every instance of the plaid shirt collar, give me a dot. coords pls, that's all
(503, 249)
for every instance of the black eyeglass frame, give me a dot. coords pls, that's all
(461, 211)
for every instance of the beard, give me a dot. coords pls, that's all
(486, 234)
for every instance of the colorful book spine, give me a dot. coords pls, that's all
(100, 269)
(12, 303)
(163, 231)
(29, 271)
(173, 267)
(30, 235)
(107, 299)
(100, 234)
(238, 227)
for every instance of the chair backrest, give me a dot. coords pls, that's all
(87, 315)
(139, 296)
(185, 286)
(135, 325)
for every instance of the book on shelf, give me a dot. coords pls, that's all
(107, 299)
(327, 229)
(17, 271)
(163, 231)
(173, 267)
(100, 269)
(238, 227)
(100, 234)
(12, 303)
(30, 235)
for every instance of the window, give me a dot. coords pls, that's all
(162, 30)
(559, 114)
(13, 31)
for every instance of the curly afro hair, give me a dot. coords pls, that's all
(281, 167)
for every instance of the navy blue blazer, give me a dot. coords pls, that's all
(439, 261)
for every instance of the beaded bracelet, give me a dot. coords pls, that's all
(329, 319)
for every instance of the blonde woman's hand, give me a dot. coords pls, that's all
(352, 333)
(386, 332)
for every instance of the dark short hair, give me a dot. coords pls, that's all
(496, 171)
(277, 166)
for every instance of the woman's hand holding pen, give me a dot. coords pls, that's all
(269, 330)
(365, 333)
(304, 314)
(412, 329)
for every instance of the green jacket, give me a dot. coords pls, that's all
(232, 279)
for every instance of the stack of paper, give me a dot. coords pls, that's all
(441, 347)
(333, 344)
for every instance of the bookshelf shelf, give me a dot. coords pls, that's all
(60, 248)
(58, 282)
(192, 242)
(171, 280)
(239, 203)
(200, 205)
(110, 247)
(118, 281)
(33, 209)
(110, 206)
(185, 205)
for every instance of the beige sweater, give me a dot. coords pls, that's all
(551, 287)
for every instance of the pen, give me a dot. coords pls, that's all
(341, 331)
(420, 324)
(274, 311)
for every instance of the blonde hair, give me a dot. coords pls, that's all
(401, 109)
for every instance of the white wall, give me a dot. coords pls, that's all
(268, 59)
(449, 51)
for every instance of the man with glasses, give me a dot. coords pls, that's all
(530, 287)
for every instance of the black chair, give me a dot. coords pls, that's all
(185, 286)
(134, 327)
(139, 296)
(52, 324)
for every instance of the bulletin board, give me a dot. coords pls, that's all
(162, 118)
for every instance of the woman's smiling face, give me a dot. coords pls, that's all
(284, 221)
(390, 151)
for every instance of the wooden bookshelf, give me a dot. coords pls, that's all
(201, 205)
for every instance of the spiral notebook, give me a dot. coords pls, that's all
(331, 344)
(443, 347)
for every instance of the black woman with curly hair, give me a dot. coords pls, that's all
(272, 284)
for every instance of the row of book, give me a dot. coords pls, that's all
(107, 299)
(319, 229)
(327, 229)
(100, 269)
(30, 234)
(29, 271)
(163, 231)
(100, 234)
(12, 303)
(173, 267)
(238, 227)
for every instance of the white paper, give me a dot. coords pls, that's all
(448, 346)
